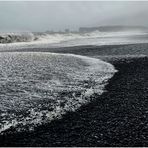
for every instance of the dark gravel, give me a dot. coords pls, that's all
(129, 49)
(117, 118)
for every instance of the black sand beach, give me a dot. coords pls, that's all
(119, 117)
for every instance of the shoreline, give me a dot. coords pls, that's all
(116, 118)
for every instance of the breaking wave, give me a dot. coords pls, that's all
(16, 37)
(28, 39)
(37, 88)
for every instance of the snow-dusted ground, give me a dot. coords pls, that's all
(38, 87)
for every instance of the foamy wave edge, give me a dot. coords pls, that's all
(86, 97)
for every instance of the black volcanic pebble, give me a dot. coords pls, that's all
(119, 117)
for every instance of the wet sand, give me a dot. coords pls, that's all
(119, 117)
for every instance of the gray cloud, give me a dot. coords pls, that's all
(41, 16)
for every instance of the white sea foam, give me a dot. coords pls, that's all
(29, 40)
(37, 88)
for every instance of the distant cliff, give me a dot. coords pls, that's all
(112, 28)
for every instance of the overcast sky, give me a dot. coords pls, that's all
(42, 16)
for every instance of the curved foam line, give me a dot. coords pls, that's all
(95, 66)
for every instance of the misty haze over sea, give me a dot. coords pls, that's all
(68, 23)
(101, 35)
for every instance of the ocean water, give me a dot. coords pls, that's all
(10, 41)
(37, 87)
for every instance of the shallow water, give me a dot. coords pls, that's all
(37, 88)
